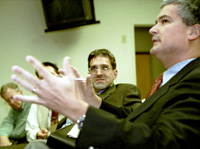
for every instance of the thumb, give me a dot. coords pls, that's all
(89, 86)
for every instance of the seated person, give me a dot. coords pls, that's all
(102, 68)
(39, 123)
(169, 118)
(12, 129)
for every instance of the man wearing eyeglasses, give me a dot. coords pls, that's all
(12, 129)
(102, 67)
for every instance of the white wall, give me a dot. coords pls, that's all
(22, 33)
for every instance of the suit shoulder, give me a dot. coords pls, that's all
(125, 85)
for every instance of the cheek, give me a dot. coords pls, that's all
(93, 76)
(174, 34)
(110, 77)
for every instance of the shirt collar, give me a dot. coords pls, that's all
(100, 92)
(173, 70)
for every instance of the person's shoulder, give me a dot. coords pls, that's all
(125, 85)
(128, 88)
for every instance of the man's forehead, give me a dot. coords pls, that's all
(8, 92)
(100, 60)
(9, 89)
(168, 11)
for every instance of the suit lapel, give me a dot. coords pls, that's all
(107, 92)
(163, 90)
(151, 100)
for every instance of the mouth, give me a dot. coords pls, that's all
(100, 80)
(155, 40)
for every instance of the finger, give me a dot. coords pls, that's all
(30, 99)
(29, 82)
(80, 83)
(22, 83)
(93, 99)
(89, 84)
(44, 73)
(67, 67)
(61, 71)
(76, 73)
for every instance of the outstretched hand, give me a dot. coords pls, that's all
(57, 93)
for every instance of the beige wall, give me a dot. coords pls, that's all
(22, 33)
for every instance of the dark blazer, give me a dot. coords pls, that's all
(170, 118)
(127, 95)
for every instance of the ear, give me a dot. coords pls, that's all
(194, 32)
(115, 73)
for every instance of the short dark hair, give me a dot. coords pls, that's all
(9, 85)
(104, 53)
(48, 64)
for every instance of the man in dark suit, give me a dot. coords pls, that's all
(103, 70)
(102, 67)
(170, 118)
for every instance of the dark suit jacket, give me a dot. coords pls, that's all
(127, 95)
(170, 118)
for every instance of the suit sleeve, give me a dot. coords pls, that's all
(104, 130)
(176, 127)
(171, 121)
(130, 100)
(120, 112)
(132, 97)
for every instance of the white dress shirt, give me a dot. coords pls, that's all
(37, 121)
(173, 70)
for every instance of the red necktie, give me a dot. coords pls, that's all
(155, 85)
(54, 120)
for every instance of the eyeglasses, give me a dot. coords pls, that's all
(103, 68)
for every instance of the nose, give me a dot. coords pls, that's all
(153, 30)
(99, 72)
